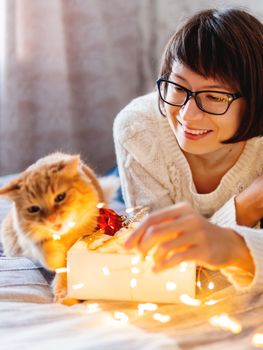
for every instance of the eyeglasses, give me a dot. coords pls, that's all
(209, 101)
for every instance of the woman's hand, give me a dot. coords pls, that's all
(179, 234)
(249, 204)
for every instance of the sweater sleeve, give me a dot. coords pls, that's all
(253, 237)
(226, 215)
(243, 280)
(144, 180)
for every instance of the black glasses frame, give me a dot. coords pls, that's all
(233, 96)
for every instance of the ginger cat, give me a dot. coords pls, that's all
(54, 204)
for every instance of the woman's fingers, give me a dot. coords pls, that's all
(167, 231)
(169, 248)
(163, 215)
(157, 234)
(191, 254)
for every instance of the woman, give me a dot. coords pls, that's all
(193, 151)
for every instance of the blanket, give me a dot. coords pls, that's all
(29, 319)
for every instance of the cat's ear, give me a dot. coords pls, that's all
(70, 166)
(11, 189)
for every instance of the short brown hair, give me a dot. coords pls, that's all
(227, 45)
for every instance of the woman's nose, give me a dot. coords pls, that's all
(190, 110)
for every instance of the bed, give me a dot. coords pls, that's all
(29, 319)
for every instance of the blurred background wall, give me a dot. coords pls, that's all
(67, 67)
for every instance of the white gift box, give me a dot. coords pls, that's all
(114, 276)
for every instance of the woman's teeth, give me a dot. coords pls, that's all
(196, 132)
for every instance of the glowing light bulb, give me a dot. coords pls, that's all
(211, 285)
(198, 283)
(146, 307)
(132, 209)
(211, 302)
(161, 318)
(106, 271)
(186, 299)
(133, 282)
(149, 258)
(183, 266)
(92, 308)
(71, 224)
(121, 316)
(225, 322)
(100, 205)
(61, 270)
(135, 260)
(257, 339)
(170, 285)
(56, 236)
(78, 286)
(135, 270)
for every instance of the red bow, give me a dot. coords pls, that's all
(109, 221)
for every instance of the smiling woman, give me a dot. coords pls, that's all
(212, 116)
(193, 151)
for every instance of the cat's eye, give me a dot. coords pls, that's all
(60, 197)
(34, 209)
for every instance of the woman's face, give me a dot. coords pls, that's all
(198, 132)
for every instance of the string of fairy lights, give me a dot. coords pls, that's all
(221, 320)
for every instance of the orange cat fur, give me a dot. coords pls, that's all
(54, 204)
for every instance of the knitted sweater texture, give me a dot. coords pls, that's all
(154, 172)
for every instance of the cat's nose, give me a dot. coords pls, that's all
(52, 217)
(57, 226)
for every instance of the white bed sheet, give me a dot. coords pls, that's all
(29, 319)
(25, 325)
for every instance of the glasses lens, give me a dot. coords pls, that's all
(172, 93)
(213, 102)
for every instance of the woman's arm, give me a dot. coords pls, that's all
(180, 234)
(244, 209)
(249, 204)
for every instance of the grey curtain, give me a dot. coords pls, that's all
(68, 66)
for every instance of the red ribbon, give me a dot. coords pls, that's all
(109, 221)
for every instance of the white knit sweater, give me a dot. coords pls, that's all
(155, 172)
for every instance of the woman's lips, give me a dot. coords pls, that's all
(194, 134)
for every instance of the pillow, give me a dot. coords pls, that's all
(22, 280)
